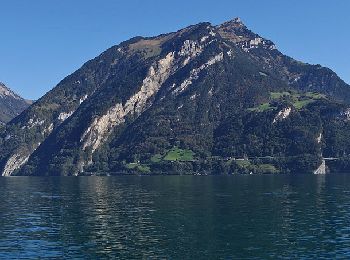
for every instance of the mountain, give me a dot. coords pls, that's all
(205, 99)
(11, 105)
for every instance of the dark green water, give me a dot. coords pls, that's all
(176, 217)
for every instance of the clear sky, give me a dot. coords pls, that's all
(42, 41)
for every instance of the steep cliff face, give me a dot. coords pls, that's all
(194, 100)
(11, 105)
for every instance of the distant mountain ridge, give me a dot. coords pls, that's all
(206, 99)
(11, 104)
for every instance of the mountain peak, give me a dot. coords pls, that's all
(235, 31)
(235, 22)
(11, 104)
(6, 92)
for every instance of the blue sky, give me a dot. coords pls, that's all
(42, 41)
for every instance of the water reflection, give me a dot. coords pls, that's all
(175, 217)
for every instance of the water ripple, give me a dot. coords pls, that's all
(175, 217)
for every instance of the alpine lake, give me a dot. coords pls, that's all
(176, 217)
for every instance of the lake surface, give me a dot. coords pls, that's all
(175, 217)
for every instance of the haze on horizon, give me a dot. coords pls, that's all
(43, 42)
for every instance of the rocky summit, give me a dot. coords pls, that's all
(207, 99)
(11, 105)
